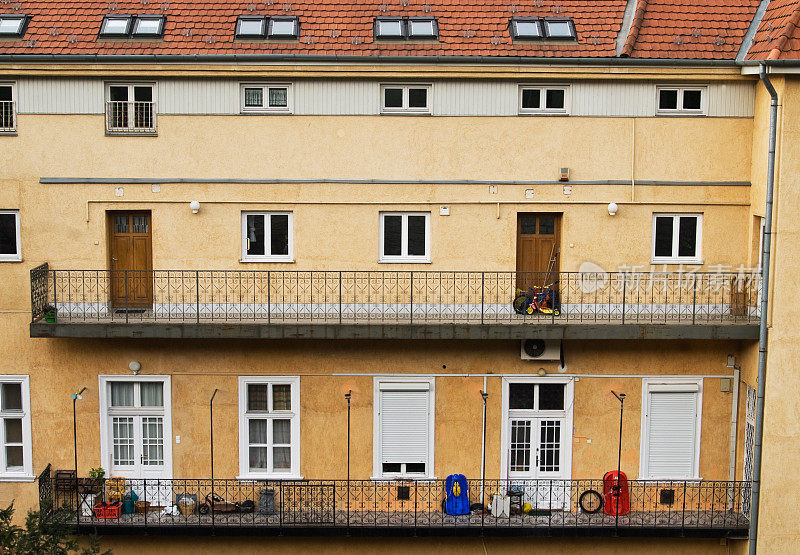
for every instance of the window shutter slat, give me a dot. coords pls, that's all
(404, 426)
(671, 431)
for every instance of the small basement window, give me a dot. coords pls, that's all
(405, 99)
(116, 26)
(543, 100)
(677, 238)
(681, 100)
(559, 29)
(251, 27)
(390, 28)
(419, 28)
(526, 28)
(283, 28)
(258, 98)
(12, 25)
(148, 26)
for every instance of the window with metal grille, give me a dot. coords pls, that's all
(266, 98)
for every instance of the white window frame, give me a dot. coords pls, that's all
(670, 385)
(674, 258)
(23, 19)
(244, 436)
(424, 384)
(405, 109)
(26, 473)
(404, 257)
(129, 21)
(13, 129)
(267, 237)
(680, 111)
(132, 128)
(13, 257)
(543, 110)
(266, 109)
(567, 414)
(106, 442)
(134, 30)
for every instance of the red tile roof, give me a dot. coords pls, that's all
(696, 29)
(700, 29)
(778, 36)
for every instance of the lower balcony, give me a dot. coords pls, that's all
(513, 507)
(393, 304)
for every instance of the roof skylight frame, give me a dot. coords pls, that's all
(116, 17)
(272, 34)
(573, 35)
(22, 25)
(260, 18)
(434, 35)
(399, 20)
(162, 20)
(517, 34)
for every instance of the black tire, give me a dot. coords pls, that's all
(204, 509)
(520, 303)
(590, 501)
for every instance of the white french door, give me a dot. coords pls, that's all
(136, 427)
(537, 439)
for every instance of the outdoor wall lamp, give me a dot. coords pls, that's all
(135, 366)
(612, 208)
(195, 206)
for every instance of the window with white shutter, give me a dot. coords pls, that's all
(404, 428)
(671, 430)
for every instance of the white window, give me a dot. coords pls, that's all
(403, 427)
(8, 109)
(423, 28)
(390, 28)
(148, 26)
(412, 99)
(130, 109)
(116, 26)
(9, 236)
(12, 25)
(559, 29)
(681, 100)
(15, 429)
(677, 238)
(671, 418)
(269, 427)
(251, 27)
(543, 99)
(266, 98)
(267, 237)
(526, 29)
(405, 237)
(283, 28)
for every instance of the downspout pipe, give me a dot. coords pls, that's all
(762, 332)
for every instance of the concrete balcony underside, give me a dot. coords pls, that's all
(398, 330)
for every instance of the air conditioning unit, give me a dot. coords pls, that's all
(540, 349)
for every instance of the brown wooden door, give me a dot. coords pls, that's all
(538, 249)
(131, 258)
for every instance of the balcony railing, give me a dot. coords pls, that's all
(8, 116)
(381, 297)
(536, 507)
(131, 118)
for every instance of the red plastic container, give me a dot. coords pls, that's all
(107, 510)
(616, 494)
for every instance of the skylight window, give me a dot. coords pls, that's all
(542, 29)
(251, 27)
(559, 29)
(12, 25)
(116, 26)
(148, 26)
(423, 29)
(526, 29)
(283, 27)
(389, 28)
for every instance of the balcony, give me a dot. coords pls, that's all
(365, 507)
(131, 118)
(391, 304)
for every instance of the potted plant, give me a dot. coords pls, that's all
(49, 313)
(91, 488)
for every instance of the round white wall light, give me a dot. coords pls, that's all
(195, 206)
(612, 208)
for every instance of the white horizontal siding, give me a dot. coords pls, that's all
(362, 97)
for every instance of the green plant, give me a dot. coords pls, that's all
(45, 531)
(97, 473)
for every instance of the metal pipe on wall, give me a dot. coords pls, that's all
(762, 334)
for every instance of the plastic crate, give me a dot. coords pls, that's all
(107, 510)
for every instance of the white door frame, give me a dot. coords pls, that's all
(569, 397)
(106, 450)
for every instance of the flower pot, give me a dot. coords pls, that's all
(50, 316)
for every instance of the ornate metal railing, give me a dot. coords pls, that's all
(527, 506)
(365, 297)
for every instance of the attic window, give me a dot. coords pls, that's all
(389, 28)
(116, 26)
(283, 28)
(536, 29)
(251, 27)
(148, 26)
(559, 29)
(12, 25)
(526, 28)
(423, 29)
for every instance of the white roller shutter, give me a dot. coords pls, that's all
(672, 433)
(404, 420)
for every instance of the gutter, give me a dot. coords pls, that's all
(762, 330)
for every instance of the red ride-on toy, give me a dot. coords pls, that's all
(221, 505)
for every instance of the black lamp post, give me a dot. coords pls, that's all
(211, 418)
(617, 488)
(484, 396)
(75, 397)
(347, 397)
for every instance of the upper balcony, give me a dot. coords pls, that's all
(393, 304)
